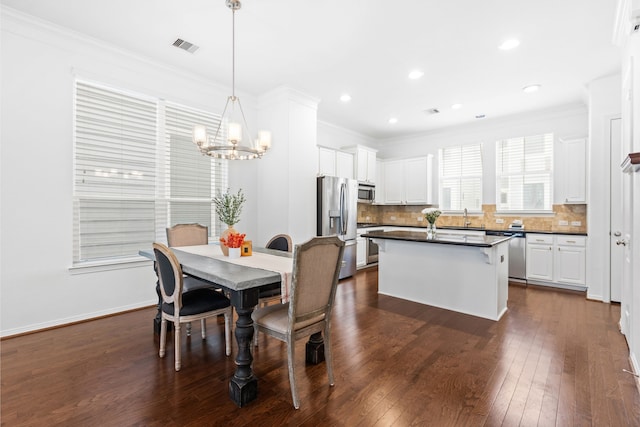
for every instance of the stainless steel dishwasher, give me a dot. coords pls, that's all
(517, 253)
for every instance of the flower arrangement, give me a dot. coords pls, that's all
(229, 206)
(431, 214)
(233, 240)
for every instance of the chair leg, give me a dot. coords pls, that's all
(203, 328)
(163, 337)
(292, 375)
(227, 333)
(328, 356)
(176, 333)
(255, 335)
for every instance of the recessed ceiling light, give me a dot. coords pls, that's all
(345, 97)
(416, 74)
(480, 116)
(531, 88)
(509, 44)
(393, 120)
(456, 106)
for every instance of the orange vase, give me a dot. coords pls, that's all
(225, 234)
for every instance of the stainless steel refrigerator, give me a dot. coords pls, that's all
(337, 208)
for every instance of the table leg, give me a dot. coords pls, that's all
(243, 386)
(315, 349)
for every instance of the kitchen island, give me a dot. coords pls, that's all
(464, 273)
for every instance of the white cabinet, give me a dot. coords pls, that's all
(558, 259)
(408, 181)
(335, 163)
(379, 199)
(574, 170)
(361, 252)
(365, 163)
(540, 257)
(569, 263)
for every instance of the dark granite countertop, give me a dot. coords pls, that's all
(447, 227)
(439, 238)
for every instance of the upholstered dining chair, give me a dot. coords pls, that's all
(183, 307)
(187, 235)
(281, 242)
(316, 266)
(190, 235)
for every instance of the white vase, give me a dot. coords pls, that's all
(234, 252)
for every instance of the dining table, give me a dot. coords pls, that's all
(242, 279)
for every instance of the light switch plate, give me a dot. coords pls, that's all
(576, 223)
(499, 221)
(393, 218)
(420, 219)
(563, 222)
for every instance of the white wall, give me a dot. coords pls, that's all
(564, 122)
(336, 137)
(604, 102)
(38, 66)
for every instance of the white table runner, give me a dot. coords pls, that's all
(278, 264)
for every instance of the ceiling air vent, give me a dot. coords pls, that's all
(185, 45)
(432, 111)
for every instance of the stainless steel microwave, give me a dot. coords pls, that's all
(366, 193)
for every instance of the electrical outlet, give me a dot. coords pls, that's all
(368, 218)
(420, 218)
(576, 223)
(563, 222)
(499, 221)
(393, 218)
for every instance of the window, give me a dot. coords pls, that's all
(461, 178)
(524, 176)
(136, 172)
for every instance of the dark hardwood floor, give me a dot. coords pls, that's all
(554, 359)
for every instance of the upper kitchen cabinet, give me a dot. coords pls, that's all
(574, 171)
(335, 163)
(379, 199)
(365, 163)
(408, 181)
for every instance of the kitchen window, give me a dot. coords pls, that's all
(136, 172)
(524, 175)
(461, 178)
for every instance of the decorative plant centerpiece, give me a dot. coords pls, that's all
(233, 242)
(431, 215)
(228, 208)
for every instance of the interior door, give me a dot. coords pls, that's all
(615, 231)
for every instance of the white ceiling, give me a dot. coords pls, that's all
(367, 48)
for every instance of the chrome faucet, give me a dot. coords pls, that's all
(467, 223)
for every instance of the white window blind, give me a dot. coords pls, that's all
(130, 182)
(461, 177)
(193, 179)
(524, 174)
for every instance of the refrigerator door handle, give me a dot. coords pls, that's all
(343, 209)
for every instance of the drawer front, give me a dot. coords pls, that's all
(571, 241)
(540, 239)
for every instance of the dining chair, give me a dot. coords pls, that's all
(316, 266)
(190, 235)
(281, 242)
(184, 307)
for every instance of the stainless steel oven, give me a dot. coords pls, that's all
(372, 252)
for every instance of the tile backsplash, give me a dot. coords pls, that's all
(408, 215)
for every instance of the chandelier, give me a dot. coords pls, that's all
(232, 147)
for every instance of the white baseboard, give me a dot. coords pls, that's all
(72, 319)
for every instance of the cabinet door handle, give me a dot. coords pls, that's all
(539, 240)
(571, 241)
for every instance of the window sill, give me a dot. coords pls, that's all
(107, 265)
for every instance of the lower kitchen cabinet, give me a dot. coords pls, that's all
(556, 259)
(569, 260)
(539, 258)
(361, 252)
